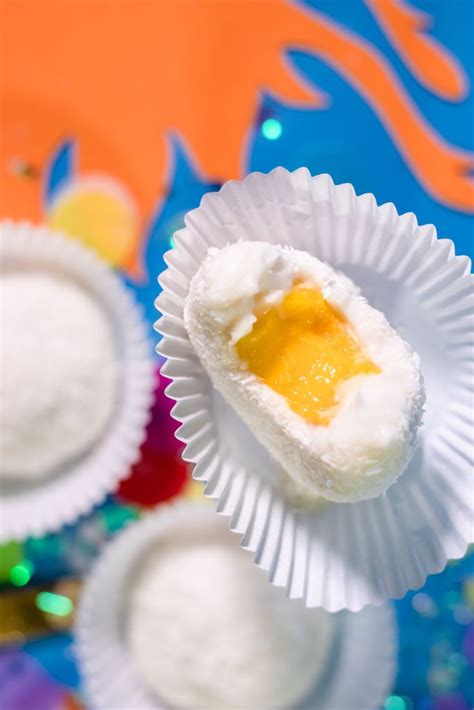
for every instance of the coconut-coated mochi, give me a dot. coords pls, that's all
(373, 429)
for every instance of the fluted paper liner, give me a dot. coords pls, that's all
(31, 510)
(343, 556)
(364, 645)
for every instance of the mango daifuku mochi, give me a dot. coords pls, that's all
(321, 378)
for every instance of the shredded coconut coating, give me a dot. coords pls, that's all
(373, 435)
(207, 630)
(59, 373)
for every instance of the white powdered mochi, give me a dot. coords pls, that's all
(207, 630)
(373, 434)
(58, 373)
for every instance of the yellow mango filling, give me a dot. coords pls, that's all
(303, 349)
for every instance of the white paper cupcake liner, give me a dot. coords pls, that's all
(360, 666)
(342, 555)
(35, 510)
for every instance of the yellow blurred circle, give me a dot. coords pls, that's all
(100, 213)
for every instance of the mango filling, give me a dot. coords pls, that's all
(303, 349)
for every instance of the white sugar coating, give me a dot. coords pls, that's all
(59, 372)
(373, 434)
(207, 630)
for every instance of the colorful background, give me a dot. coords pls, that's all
(117, 117)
